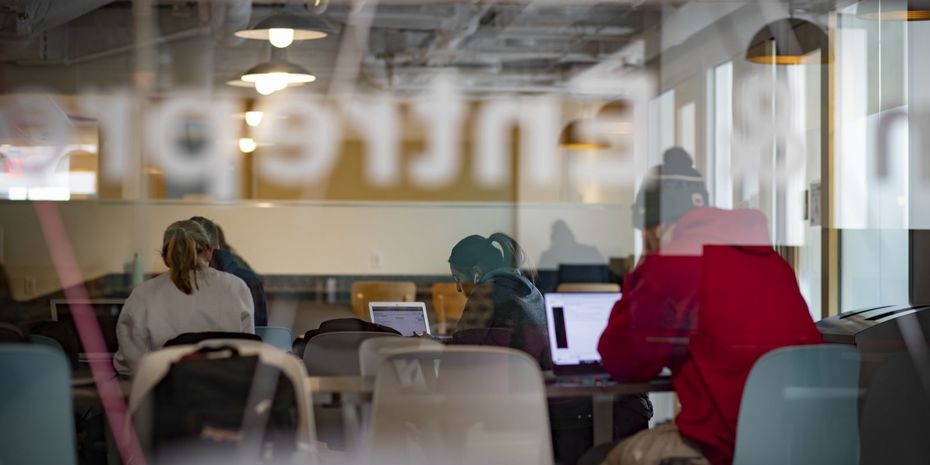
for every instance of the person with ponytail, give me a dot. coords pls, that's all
(189, 297)
(500, 295)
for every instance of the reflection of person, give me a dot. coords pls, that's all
(190, 297)
(499, 295)
(565, 249)
(225, 259)
(708, 299)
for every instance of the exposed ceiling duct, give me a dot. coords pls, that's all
(22, 20)
(487, 43)
(226, 18)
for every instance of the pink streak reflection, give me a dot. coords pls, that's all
(88, 330)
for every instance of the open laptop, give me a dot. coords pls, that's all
(575, 323)
(107, 312)
(408, 318)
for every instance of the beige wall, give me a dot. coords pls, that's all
(292, 237)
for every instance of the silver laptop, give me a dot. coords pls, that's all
(575, 323)
(408, 318)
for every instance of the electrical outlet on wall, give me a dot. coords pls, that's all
(29, 286)
(377, 259)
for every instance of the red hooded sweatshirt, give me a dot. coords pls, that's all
(708, 305)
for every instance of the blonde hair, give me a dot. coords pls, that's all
(184, 241)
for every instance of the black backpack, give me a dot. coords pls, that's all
(340, 325)
(220, 403)
(196, 338)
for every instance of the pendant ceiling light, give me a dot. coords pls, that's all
(274, 75)
(574, 138)
(789, 41)
(612, 120)
(894, 10)
(283, 29)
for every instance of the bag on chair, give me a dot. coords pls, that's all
(225, 405)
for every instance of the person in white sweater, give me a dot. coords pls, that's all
(190, 297)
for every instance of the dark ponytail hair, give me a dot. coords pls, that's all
(479, 251)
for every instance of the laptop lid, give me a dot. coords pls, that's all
(575, 322)
(107, 313)
(406, 317)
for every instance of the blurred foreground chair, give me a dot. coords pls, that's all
(458, 406)
(46, 341)
(156, 365)
(448, 303)
(380, 291)
(36, 423)
(800, 406)
(588, 287)
(896, 412)
(275, 336)
(373, 352)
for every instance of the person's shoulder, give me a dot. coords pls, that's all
(151, 284)
(227, 280)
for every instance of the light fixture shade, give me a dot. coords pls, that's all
(573, 138)
(306, 27)
(894, 10)
(788, 41)
(292, 72)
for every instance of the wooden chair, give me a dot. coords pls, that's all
(448, 303)
(380, 291)
(588, 287)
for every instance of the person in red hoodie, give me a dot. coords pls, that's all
(709, 297)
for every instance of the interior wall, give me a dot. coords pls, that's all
(293, 238)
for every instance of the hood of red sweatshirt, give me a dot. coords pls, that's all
(714, 226)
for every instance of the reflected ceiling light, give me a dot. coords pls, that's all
(253, 118)
(247, 145)
(573, 138)
(894, 10)
(283, 29)
(788, 41)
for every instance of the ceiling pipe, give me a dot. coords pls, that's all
(227, 17)
(33, 17)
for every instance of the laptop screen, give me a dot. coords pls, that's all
(406, 317)
(576, 321)
(106, 310)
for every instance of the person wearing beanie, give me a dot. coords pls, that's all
(709, 297)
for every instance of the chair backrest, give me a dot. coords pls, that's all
(46, 341)
(588, 287)
(380, 291)
(896, 413)
(37, 424)
(372, 352)
(276, 336)
(800, 405)
(155, 365)
(196, 338)
(336, 354)
(569, 273)
(12, 333)
(459, 405)
(448, 303)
